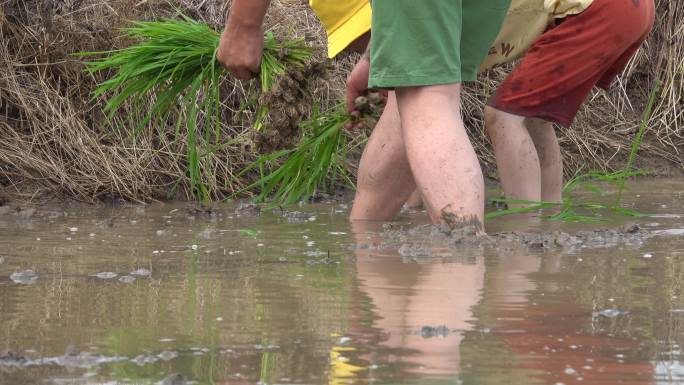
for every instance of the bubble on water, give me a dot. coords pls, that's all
(127, 279)
(91, 235)
(142, 272)
(25, 277)
(570, 371)
(106, 275)
(647, 255)
(167, 355)
(194, 247)
(610, 313)
(73, 229)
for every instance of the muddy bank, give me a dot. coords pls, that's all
(56, 143)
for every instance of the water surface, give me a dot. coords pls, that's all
(222, 298)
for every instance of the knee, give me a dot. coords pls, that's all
(491, 120)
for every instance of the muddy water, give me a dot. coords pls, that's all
(163, 294)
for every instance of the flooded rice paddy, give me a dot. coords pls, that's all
(170, 294)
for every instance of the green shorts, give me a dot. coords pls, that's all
(428, 42)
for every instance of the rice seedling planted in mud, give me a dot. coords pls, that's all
(173, 64)
(570, 207)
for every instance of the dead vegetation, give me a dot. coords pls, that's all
(55, 142)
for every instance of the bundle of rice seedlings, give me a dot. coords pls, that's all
(174, 64)
(320, 156)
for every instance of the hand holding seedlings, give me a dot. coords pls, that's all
(364, 106)
(242, 41)
(357, 82)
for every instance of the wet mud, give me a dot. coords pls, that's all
(241, 294)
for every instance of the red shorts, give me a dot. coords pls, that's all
(559, 70)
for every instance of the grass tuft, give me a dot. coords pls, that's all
(173, 64)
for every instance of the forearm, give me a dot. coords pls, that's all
(247, 14)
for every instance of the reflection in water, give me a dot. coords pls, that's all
(420, 311)
(287, 302)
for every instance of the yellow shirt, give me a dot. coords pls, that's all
(525, 21)
(562, 8)
(345, 21)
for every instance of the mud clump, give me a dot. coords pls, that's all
(202, 210)
(10, 358)
(248, 209)
(427, 242)
(294, 216)
(461, 227)
(288, 102)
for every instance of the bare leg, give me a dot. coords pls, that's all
(442, 159)
(415, 201)
(545, 141)
(516, 156)
(385, 180)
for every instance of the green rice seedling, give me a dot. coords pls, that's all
(173, 65)
(636, 143)
(319, 157)
(570, 207)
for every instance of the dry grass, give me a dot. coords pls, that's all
(55, 142)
